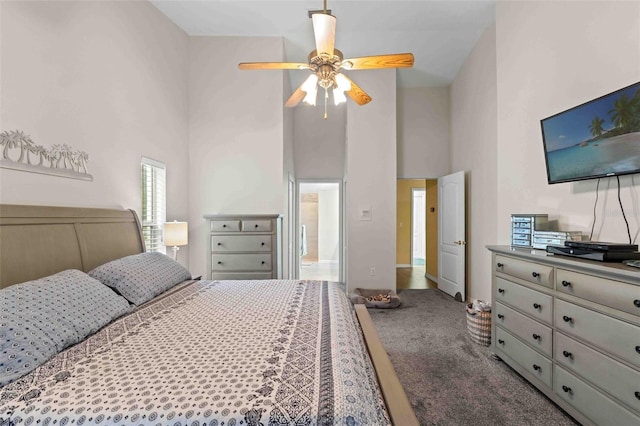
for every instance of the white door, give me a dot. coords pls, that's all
(451, 235)
(292, 230)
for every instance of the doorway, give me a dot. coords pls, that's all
(416, 234)
(418, 227)
(319, 230)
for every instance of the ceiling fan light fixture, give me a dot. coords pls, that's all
(310, 87)
(342, 85)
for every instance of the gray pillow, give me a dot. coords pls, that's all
(40, 318)
(141, 277)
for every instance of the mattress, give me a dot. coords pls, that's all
(225, 353)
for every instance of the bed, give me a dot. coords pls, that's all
(173, 350)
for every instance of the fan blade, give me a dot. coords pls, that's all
(324, 31)
(397, 60)
(273, 66)
(357, 94)
(297, 96)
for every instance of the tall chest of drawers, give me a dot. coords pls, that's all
(572, 328)
(244, 247)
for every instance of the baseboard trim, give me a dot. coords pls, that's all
(403, 265)
(431, 277)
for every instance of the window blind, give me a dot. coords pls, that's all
(154, 205)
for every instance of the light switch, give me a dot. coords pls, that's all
(365, 213)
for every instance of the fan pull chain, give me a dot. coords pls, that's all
(326, 96)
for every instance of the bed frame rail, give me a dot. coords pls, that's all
(398, 404)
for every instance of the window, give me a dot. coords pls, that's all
(154, 204)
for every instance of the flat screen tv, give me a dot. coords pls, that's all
(596, 139)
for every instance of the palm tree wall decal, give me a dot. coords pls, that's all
(59, 157)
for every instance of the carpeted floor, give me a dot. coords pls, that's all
(449, 379)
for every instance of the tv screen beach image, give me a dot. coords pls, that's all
(598, 138)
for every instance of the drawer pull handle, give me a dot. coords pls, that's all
(536, 367)
(638, 349)
(500, 316)
(263, 262)
(567, 319)
(219, 244)
(255, 226)
(500, 265)
(224, 226)
(261, 244)
(567, 389)
(637, 394)
(567, 354)
(501, 290)
(536, 306)
(535, 274)
(219, 262)
(566, 283)
(636, 303)
(501, 341)
(536, 336)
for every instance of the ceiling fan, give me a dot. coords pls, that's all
(325, 64)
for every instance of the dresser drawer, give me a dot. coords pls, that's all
(532, 361)
(241, 262)
(225, 225)
(534, 303)
(609, 334)
(615, 378)
(256, 225)
(599, 408)
(535, 334)
(241, 275)
(529, 271)
(615, 294)
(240, 243)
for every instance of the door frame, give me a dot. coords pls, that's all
(341, 269)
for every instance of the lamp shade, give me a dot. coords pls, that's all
(176, 234)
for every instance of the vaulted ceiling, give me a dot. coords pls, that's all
(440, 34)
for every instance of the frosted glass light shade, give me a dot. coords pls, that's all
(176, 234)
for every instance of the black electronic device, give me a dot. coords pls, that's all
(601, 256)
(602, 246)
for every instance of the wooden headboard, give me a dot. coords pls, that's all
(36, 241)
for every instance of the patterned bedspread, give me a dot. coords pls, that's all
(214, 353)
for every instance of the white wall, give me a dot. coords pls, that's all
(552, 56)
(236, 134)
(328, 225)
(107, 78)
(423, 132)
(371, 181)
(474, 150)
(319, 143)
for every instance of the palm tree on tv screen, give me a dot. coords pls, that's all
(622, 112)
(596, 126)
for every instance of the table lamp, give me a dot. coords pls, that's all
(176, 234)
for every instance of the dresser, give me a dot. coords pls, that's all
(244, 247)
(572, 328)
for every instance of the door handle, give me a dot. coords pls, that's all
(460, 243)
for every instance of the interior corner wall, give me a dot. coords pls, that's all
(552, 56)
(288, 171)
(236, 134)
(423, 132)
(371, 183)
(89, 75)
(474, 150)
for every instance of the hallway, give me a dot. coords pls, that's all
(413, 278)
